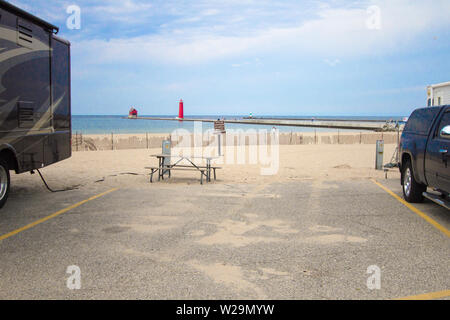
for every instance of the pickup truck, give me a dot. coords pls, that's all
(424, 155)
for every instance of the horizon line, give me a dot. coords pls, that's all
(247, 115)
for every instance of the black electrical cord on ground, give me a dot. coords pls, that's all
(120, 174)
(78, 186)
(51, 190)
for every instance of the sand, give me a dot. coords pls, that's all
(325, 155)
(125, 168)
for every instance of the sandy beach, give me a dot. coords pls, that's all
(127, 168)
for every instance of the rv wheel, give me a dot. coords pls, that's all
(4, 182)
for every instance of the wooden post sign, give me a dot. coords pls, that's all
(219, 126)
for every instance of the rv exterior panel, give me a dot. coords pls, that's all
(35, 101)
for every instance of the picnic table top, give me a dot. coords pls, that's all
(187, 157)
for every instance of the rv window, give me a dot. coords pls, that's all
(60, 85)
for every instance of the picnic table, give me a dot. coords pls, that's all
(163, 167)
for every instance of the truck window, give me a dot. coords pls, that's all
(445, 121)
(421, 120)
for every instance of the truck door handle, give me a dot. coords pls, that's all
(445, 156)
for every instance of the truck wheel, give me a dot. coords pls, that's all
(4, 182)
(412, 190)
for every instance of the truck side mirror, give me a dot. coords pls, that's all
(445, 132)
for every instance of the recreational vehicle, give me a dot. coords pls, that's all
(35, 111)
(438, 94)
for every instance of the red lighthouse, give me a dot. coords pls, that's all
(181, 111)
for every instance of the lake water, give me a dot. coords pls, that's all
(117, 124)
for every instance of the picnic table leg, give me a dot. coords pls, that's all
(208, 168)
(201, 177)
(214, 174)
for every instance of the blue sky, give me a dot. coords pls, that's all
(227, 57)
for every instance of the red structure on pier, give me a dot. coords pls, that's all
(181, 111)
(133, 113)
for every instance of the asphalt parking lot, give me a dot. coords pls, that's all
(311, 239)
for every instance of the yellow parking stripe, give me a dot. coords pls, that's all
(428, 296)
(31, 225)
(415, 210)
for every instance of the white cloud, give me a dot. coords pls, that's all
(238, 65)
(337, 31)
(120, 9)
(210, 12)
(255, 62)
(397, 90)
(332, 62)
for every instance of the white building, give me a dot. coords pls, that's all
(438, 94)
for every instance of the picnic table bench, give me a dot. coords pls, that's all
(205, 171)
